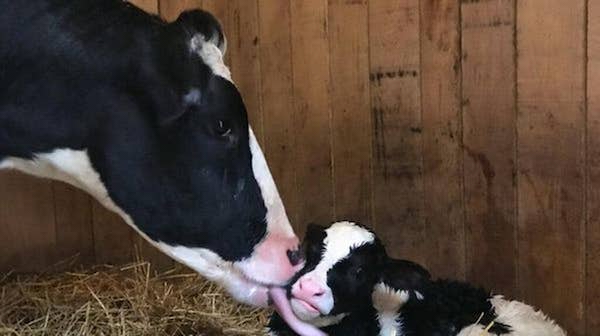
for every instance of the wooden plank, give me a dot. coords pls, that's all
(350, 108)
(170, 10)
(27, 226)
(312, 111)
(488, 85)
(441, 127)
(396, 112)
(550, 82)
(74, 229)
(592, 294)
(150, 6)
(277, 98)
(114, 240)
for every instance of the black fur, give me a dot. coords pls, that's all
(446, 308)
(104, 76)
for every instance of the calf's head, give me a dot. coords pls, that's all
(345, 263)
(190, 175)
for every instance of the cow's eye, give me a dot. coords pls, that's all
(222, 128)
(358, 272)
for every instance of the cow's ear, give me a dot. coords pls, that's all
(199, 24)
(399, 282)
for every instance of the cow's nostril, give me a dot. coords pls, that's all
(295, 256)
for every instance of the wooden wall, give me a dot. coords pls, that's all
(467, 133)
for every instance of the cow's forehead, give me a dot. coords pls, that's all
(211, 55)
(339, 241)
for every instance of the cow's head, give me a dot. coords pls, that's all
(193, 179)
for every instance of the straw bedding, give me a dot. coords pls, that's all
(124, 301)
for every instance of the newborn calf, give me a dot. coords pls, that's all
(350, 286)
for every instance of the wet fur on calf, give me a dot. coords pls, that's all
(399, 297)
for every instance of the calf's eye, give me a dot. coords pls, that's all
(358, 272)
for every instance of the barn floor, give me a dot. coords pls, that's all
(124, 301)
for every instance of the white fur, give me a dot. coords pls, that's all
(211, 55)
(388, 302)
(67, 165)
(341, 238)
(277, 219)
(522, 319)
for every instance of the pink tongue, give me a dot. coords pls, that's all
(282, 305)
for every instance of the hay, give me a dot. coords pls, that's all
(123, 301)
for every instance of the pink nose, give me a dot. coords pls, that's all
(307, 288)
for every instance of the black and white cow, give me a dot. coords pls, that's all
(350, 287)
(144, 116)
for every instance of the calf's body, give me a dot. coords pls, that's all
(350, 287)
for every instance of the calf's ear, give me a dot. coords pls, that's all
(399, 282)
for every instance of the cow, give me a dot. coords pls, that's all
(351, 287)
(143, 115)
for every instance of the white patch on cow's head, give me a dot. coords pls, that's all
(211, 55)
(341, 238)
(277, 219)
(269, 258)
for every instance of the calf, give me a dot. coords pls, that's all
(350, 286)
(143, 115)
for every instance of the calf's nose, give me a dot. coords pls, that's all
(309, 287)
(295, 256)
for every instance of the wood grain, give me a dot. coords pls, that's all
(27, 225)
(150, 6)
(592, 295)
(312, 112)
(74, 229)
(441, 135)
(488, 85)
(396, 113)
(351, 117)
(277, 98)
(550, 82)
(170, 9)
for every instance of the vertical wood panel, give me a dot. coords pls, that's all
(396, 112)
(592, 295)
(170, 9)
(27, 226)
(277, 98)
(150, 6)
(114, 240)
(441, 127)
(310, 57)
(550, 82)
(74, 230)
(351, 120)
(488, 82)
